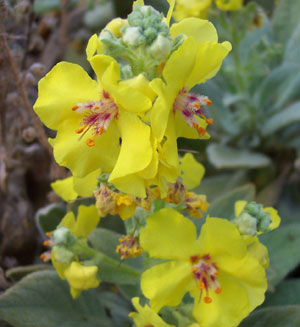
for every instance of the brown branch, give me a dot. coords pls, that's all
(42, 135)
(63, 25)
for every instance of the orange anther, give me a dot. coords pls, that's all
(201, 286)
(75, 108)
(79, 130)
(48, 234)
(218, 290)
(216, 273)
(90, 142)
(197, 105)
(201, 131)
(209, 121)
(194, 270)
(46, 243)
(102, 130)
(96, 107)
(208, 102)
(42, 256)
(207, 299)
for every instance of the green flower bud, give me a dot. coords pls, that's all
(264, 223)
(246, 224)
(133, 36)
(62, 254)
(63, 235)
(160, 48)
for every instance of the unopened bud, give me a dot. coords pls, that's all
(133, 36)
(246, 224)
(160, 48)
(63, 235)
(62, 254)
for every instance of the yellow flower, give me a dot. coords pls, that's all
(191, 8)
(105, 115)
(87, 220)
(196, 60)
(229, 4)
(196, 204)
(226, 282)
(81, 278)
(72, 187)
(145, 316)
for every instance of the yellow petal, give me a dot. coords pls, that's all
(69, 221)
(201, 30)
(184, 130)
(85, 186)
(138, 2)
(180, 64)
(229, 5)
(64, 86)
(212, 54)
(177, 235)
(145, 316)
(141, 84)
(222, 240)
(115, 25)
(81, 277)
(125, 97)
(275, 219)
(165, 284)
(234, 303)
(191, 171)
(73, 153)
(135, 155)
(162, 107)
(239, 207)
(170, 11)
(59, 267)
(65, 189)
(93, 45)
(87, 220)
(191, 8)
(100, 63)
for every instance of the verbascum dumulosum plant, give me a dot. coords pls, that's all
(117, 135)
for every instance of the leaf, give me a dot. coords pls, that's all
(48, 218)
(293, 47)
(113, 270)
(285, 316)
(282, 119)
(285, 19)
(286, 293)
(223, 156)
(215, 186)
(18, 273)
(223, 207)
(283, 245)
(43, 300)
(43, 6)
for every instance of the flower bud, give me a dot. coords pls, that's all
(160, 48)
(63, 235)
(133, 36)
(62, 254)
(246, 224)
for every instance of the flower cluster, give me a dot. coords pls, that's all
(118, 137)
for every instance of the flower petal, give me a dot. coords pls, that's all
(275, 219)
(87, 220)
(135, 154)
(165, 284)
(65, 189)
(169, 235)
(191, 171)
(201, 30)
(208, 61)
(228, 308)
(221, 240)
(64, 86)
(85, 186)
(180, 64)
(239, 207)
(73, 153)
(162, 107)
(93, 45)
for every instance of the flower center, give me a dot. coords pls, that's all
(205, 274)
(99, 115)
(189, 106)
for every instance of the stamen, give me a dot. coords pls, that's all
(204, 272)
(98, 117)
(189, 106)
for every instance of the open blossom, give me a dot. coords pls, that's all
(196, 60)
(224, 279)
(91, 118)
